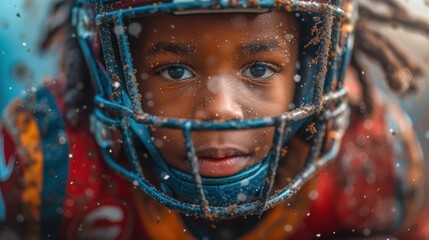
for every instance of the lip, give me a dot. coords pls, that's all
(222, 162)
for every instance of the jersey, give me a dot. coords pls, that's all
(54, 184)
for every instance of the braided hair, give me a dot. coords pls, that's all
(400, 74)
(77, 91)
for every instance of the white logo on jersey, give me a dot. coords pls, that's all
(109, 221)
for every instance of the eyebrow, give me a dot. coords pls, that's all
(259, 46)
(162, 48)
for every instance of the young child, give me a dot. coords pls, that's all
(210, 120)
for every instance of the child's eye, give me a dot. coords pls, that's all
(260, 70)
(173, 72)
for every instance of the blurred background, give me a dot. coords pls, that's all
(22, 22)
(23, 66)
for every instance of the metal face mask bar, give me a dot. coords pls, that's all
(118, 104)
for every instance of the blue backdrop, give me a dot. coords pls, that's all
(21, 65)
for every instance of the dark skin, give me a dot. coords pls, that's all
(220, 67)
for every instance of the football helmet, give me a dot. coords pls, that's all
(319, 100)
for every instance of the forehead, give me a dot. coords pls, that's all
(229, 24)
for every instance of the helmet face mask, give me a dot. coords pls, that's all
(318, 99)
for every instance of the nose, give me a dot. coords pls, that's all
(219, 100)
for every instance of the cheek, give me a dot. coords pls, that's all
(160, 99)
(283, 92)
(271, 102)
(171, 145)
(262, 140)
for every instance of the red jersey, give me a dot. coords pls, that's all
(54, 184)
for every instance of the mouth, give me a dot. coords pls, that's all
(222, 162)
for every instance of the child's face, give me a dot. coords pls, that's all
(216, 67)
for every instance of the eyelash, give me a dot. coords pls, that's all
(159, 70)
(272, 67)
(167, 66)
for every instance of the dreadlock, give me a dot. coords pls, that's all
(77, 92)
(399, 73)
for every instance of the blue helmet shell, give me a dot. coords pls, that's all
(319, 98)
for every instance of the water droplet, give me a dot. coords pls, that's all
(159, 143)
(144, 76)
(313, 195)
(289, 36)
(288, 228)
(62, 139)
(297, 78)
(165, 176)
(20, 218)
(118, 30)
(212, 85)
(366, 232)
(368, 124)
(244, 182)
(135, 29)
(241, 197)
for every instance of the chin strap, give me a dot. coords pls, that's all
(222, 192)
